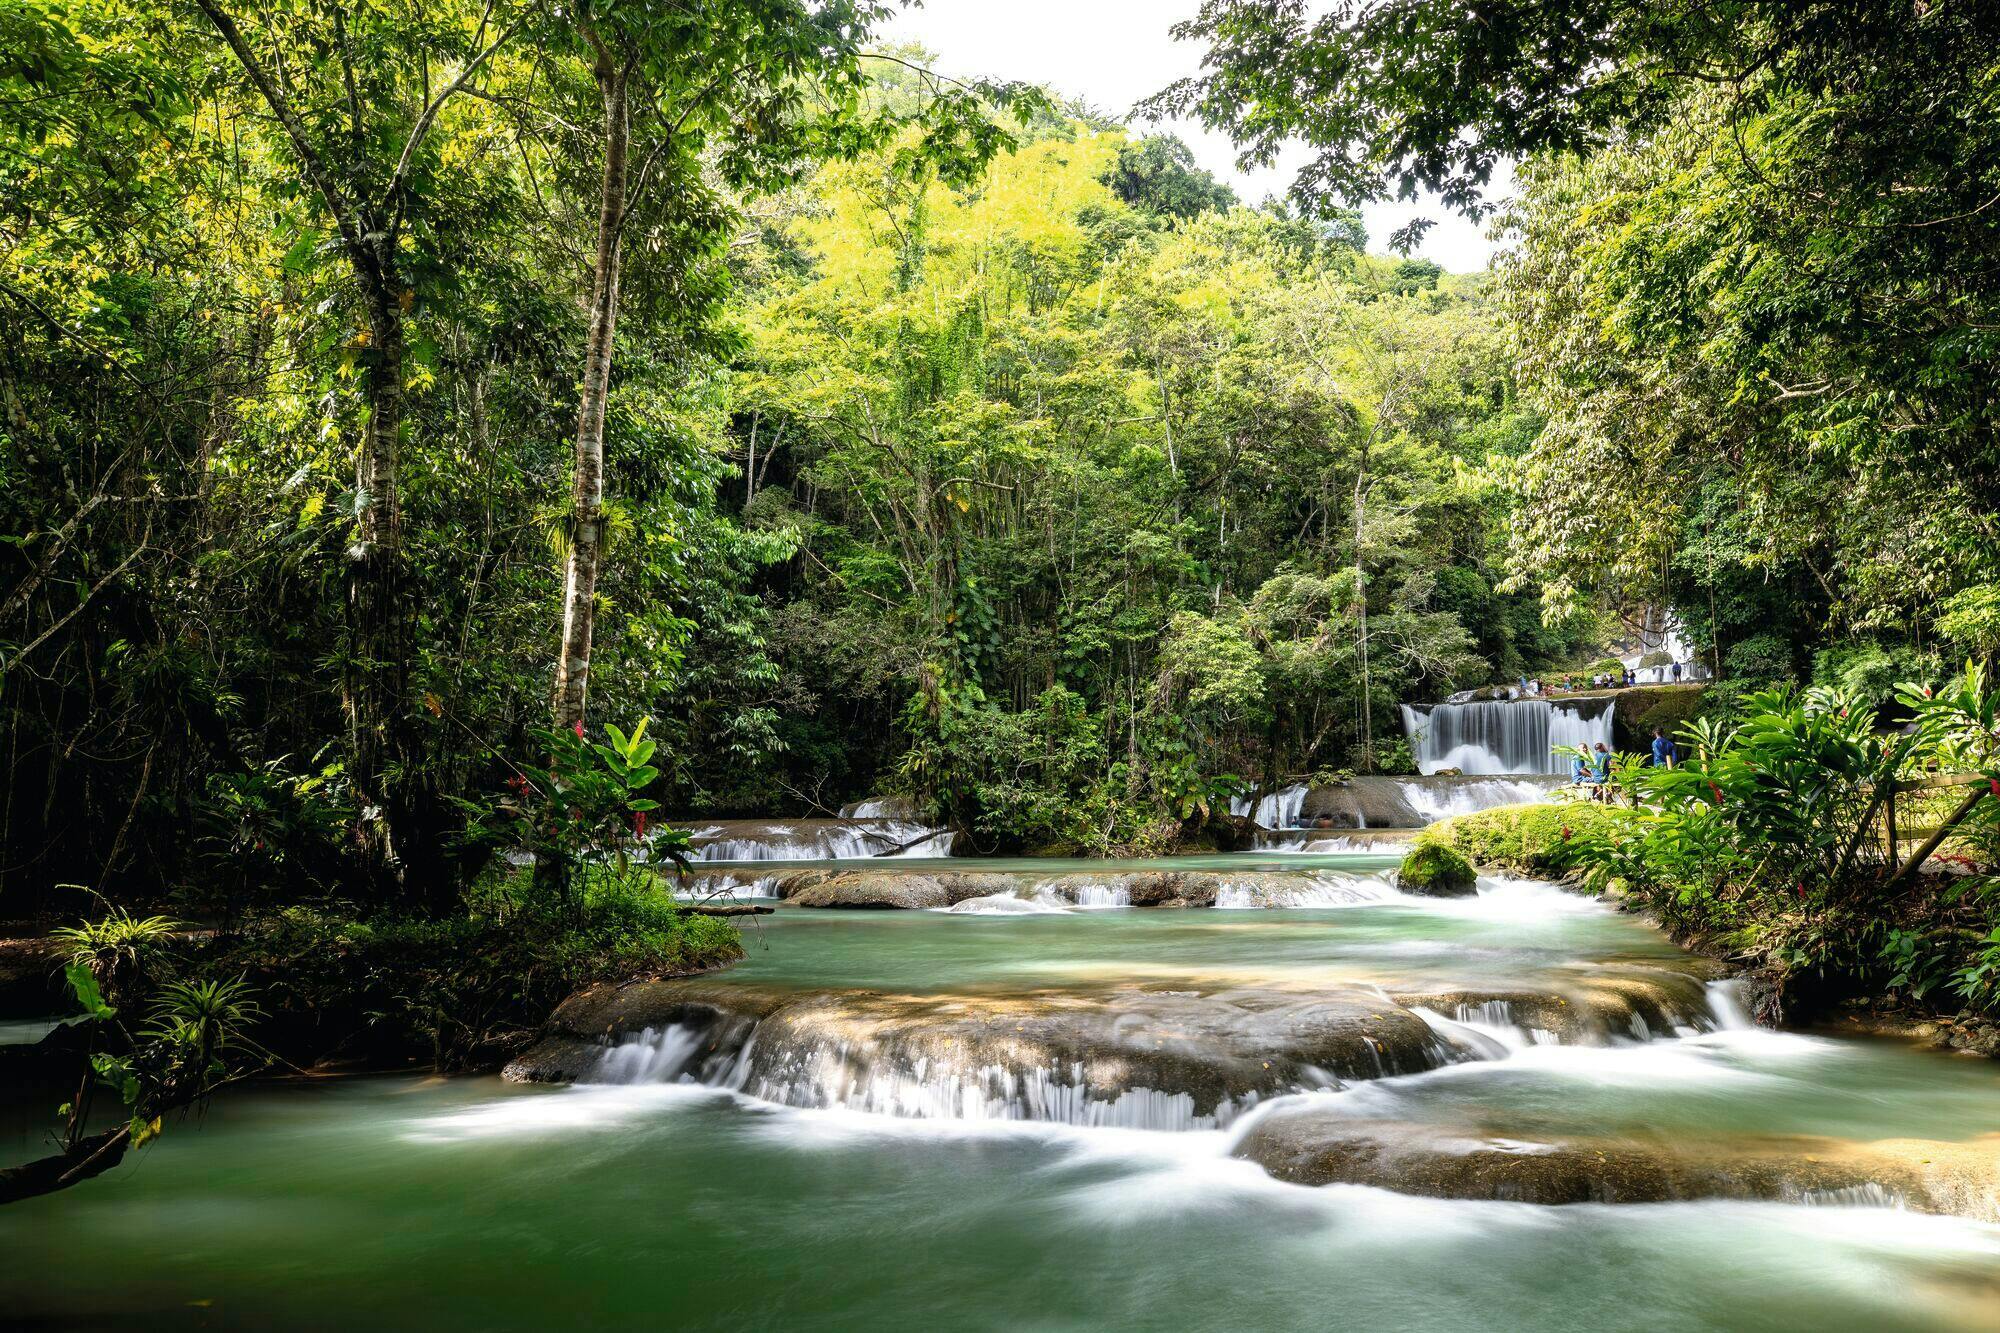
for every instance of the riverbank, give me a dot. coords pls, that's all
(1566, 843)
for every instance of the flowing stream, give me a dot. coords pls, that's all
(1053, 1112)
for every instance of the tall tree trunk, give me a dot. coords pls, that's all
(379, 657)
(1361, 620)
(586, 542)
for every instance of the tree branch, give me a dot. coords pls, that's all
(429, 117)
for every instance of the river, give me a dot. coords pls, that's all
(764, 1199)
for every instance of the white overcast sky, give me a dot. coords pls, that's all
(1111, 53)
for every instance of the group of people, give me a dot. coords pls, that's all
(1531, 686)
(1593, 768)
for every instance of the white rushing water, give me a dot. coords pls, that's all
(824, 1076)
(1380, 802)
(1504, 736)
(1329, 889)
(818, 840)
(1278, 809)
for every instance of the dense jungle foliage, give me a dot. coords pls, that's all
(388, 393)
(1058, 488)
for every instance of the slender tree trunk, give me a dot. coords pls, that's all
(1361, 613)
(379, 660)
(586, 544)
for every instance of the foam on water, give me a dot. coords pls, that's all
(823, 1076)
(1327, 889)
(819, 840)
(1035, 902)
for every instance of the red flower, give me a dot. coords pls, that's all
(579, 728)
(1718, 793)
(639, 823)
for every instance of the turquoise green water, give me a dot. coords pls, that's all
(403, 1202)
(1515, 934)
(399, 1203)
(1066, 865)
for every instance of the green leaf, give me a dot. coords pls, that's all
(84, 986)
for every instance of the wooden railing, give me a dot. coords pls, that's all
(1884, 801)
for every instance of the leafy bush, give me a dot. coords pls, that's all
(1539, 839)
(1762, 659)
(457, 991)
(1765, 837)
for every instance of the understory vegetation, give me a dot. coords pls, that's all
(1791, 840)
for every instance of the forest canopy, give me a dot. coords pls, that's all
(373, 379)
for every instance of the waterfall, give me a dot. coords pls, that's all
(829, 1075)
(1504, 736)
(818, 840)
(1278, 809)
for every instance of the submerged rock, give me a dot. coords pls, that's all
(1590, 1007)
(1308, 1146)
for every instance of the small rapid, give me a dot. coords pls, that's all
(818, 840)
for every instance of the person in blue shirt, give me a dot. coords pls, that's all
(1579, 770)
(1663, 749)
(1600, 774)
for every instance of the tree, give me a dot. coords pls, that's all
(352, 100)
(1157, 175)
(775, 85)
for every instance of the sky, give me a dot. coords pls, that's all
(1112, 53)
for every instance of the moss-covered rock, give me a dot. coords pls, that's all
(1642, 707)
(1163, 1059)
(1437, 871)
(1535, 839)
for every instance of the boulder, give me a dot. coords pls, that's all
(1434, 870)
(863, 889)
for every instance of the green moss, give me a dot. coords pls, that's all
(1435, 869)
(1532, 839)
(1642, 707)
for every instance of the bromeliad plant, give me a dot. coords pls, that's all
(584, 812)
(190, 1042)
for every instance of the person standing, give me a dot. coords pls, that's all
(1663, 749)
(1677, 673)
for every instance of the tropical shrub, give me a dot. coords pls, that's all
(1766, 836)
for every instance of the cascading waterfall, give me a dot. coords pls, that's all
(825, 1076)
(1327, 890)
(819, 840)
(1504, 736)
(1278, 809)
